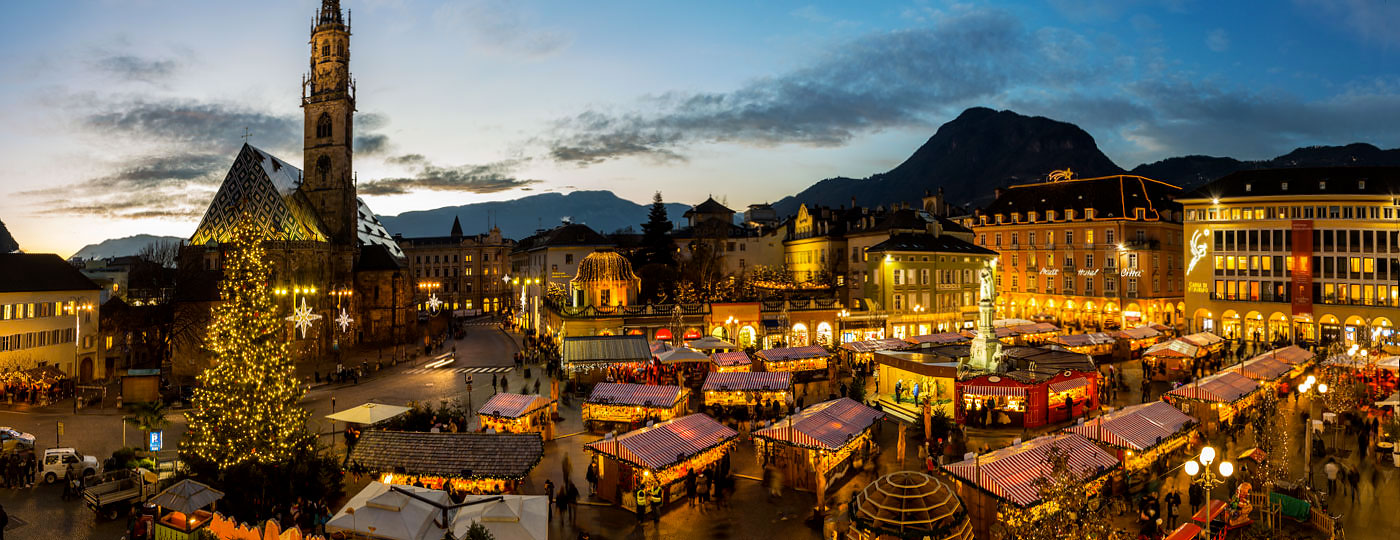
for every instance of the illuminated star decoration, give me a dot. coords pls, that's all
(434, 304)
(303, 317)
(344, 320)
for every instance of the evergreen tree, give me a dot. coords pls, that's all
(657, 247)
(245, 406)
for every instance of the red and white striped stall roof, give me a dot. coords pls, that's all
(793, 353)
(1004, 391)
(942, 338)
(827, 425)
(731, 359)
(1291, 355)
(748, 381)
(639, 395)
(1262, 368)
(1137, 427)
(512, 405)
(1068, 384)
(872, 345)
(1179, 348)
(667, 443)
(1010, 472)
(1223, 387)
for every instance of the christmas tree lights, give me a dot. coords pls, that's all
(245, 406)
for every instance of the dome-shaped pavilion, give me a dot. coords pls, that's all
(605, 279)
(908, 504)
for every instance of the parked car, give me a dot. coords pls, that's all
(57, 460)
(14, 440)
(113, 493)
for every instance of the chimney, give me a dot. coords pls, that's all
(997, 192)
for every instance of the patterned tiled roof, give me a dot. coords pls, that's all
(748, 381)
(872, 345)
(266, 188)
(495, 455)
(827, 425)
(512, 405)
(667, 443)
(636, 394)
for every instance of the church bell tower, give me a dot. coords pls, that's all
(328, 102)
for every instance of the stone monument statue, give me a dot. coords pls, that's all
(986, 347)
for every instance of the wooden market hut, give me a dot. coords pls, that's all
(1097, 345)
(935, 374)
(1297, 358)
(1217, 397)
(662, 453)
(941, 338)
(1030, 388)
(1139, 434)
(631, 405)
(864, 351)
(1008, 475)
(819, 444)
(1173, 360)
(732, 361)
(586, 359)
(517, 413)
(809, 359)
(478, 463)
(1268, 371)
(1138, 339)
(1212, 343)
(182, 510)
(908, 504)
(748, 388)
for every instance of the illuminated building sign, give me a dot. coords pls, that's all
(1200, 245)
(1087, 273)
(1049, 271)
(1130, 272)
(1197, 287)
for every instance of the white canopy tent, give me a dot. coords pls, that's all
(368, 414)
(683, 354)
(513, 517)
(709, 343)
(377, 512)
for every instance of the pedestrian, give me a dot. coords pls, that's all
(655, 494)
(592, 477)
(642, 503)
(31, 466)
(1196, 496)
(1173, 503)
(571, 492)
(549, 490)
(1331, 470)
(689, 487)
(1353, 480)
(561, 502)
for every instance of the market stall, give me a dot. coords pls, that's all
(39, 385)
(381, 511)
(1266, 370)
(1297, 358)
(711, 343)
(1139, 434)
(908, 504)
(942, 338)
(727, 362)
(1139, 338)
(517, 413)
(1031, 387)
(1211, 343)
(684, 365)
(1097, 345)
(1217, 397)
(662, 455)
(749, 388)
(806, 359)
(863, 351)
(476, 463)
(819, 444)
(589, 359)
(506, 517)
(1173, 360)
(182, 510)
(907, 379)
(985, 481)
(633, 404)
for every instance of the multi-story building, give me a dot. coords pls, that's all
(734, 249)
(48, 316)
(1091, 253)
(1305, 255)
(467, 273)
(923, 280)
(548, 259)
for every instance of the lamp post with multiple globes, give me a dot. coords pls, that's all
(1307, 387)
(1201, 473)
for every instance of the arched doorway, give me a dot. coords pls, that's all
(799, 335)
(1201, 321)
(85, 370)
(1355, 329)
(1253, 326)
(1329, 328)
(824, 333)
(1278, 328)
(748, 337)
(1230, 324)
(1381, 332)
(720, 332)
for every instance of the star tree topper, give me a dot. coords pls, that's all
(303, 317)
(344, 320)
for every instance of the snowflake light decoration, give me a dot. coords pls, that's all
(344, 320)
(303, 317)
(434, 303)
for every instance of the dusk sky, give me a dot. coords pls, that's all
(122, 116)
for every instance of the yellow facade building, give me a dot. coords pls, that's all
(48, 316)
(1305, 255)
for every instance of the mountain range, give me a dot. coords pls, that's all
(121, 247)
(7, 242)
(601, 210)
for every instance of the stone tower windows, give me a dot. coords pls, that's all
(323, 126)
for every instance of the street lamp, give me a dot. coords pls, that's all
(77, 310)
(1201, 474)
(1310, 384)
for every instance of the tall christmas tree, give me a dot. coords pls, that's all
(245, 406)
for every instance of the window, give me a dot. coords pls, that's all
(1069, 283)
(323, 126)
(923, 276)
(1069, 237)
(568, 258)
(1132, 260)
(898, 302)
(1089, 261)
(1132, 287)
(1014, 235)
(1089, 285)
(1030, 237)
(898, 276)
(998, 239)
(325, 48)
(1015, 263)
(1089, 237)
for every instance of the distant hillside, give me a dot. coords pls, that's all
(121, 247)
(979, 150)
(519, 218)
(1191, 172)
(7, 242)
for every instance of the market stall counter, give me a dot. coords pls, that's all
(660, 455)
(631, 405)
(1173, 360)
(809, 360)
(749, 389)
(1215, 398)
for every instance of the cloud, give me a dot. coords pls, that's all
(197, 123)
(136, 68)
(499, 26)
(1373, 20)
(371, 144)
(883, 80)
(488, 178)
(159, 185)
(1218, 40)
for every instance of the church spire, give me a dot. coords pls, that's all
(456, 227)
(328, 106)
(330, 13)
